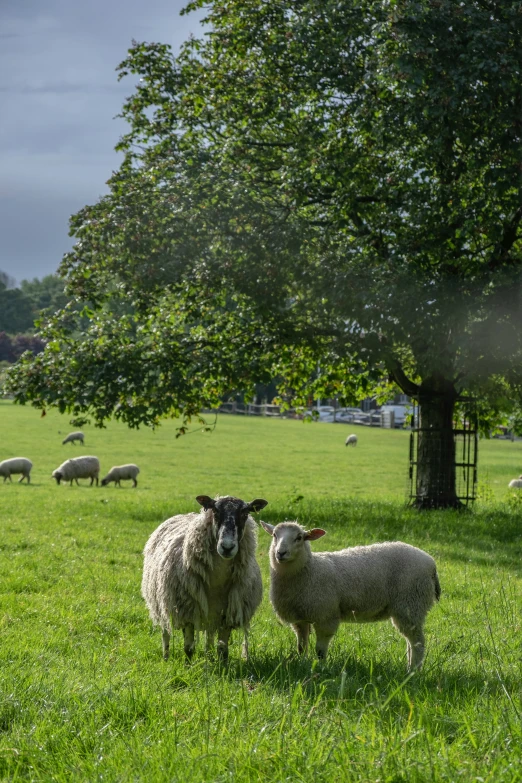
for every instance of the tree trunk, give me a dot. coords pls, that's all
(436, 472)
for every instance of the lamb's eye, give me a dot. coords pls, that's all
(299, 538)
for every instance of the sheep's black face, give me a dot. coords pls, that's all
(229, 519)
(58, 476)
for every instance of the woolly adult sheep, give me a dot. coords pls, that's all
(200, 572)
(76, 468)
(121, 473)
(351, 440)
(16, 465)
(515, 483)
(72, 436)
(362, 584)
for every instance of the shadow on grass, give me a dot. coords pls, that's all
(367, 682)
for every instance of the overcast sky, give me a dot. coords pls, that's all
(58, 99)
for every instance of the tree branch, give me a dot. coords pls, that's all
(398, 375)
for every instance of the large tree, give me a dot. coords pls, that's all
(313, 181)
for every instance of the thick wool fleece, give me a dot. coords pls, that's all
(179, 560)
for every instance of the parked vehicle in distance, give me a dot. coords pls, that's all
(401, 413)
(347, 415)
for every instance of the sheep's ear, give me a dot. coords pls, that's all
(266, 526)
(257, 504)
(312, 535)
(206, 502)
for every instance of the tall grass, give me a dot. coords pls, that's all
(85, 694)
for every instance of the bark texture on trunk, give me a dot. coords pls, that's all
(436, 471)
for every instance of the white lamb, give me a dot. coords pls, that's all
(200, 572)
(16, 465)
(72, 436)
(79, 467)
(515, 483)
(351, 440)
(363, 584)
(121, 473)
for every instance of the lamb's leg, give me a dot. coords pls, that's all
(188, 636)
(324, 635)
(414, 635)
(222, 646)
(302, 631)
(165, 639)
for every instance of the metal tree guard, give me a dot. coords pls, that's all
(466, 452)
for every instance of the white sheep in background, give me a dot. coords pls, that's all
(200, 572)
(351, 440)
(78, 467)
(515, 483)
(16, 465)
(121, 473)
(72, 436)
(362, 584)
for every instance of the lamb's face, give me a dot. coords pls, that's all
(290, 540)
(229, 516)
(57, 475)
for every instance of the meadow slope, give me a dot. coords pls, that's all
(85, 694)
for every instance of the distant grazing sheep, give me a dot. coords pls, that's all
(16, 465)
(351, 440)
(200, 572)
(72, 436)
(121, 473)
(515, 483)
(362, 584)
(79, 467)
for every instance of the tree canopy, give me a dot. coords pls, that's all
(313, 181)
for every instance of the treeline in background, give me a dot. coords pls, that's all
(19, 307)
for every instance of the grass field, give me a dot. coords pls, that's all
(86, 696)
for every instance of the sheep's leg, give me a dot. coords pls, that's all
(10, 479)
(302, 631)
(415, 642)
(135, 482)
(188, 636)
(324, 635)
(222, 646)
(165, 640)
(244, 646)
(209, 642)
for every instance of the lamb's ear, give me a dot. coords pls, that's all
(206, 502)
(257, 504)
(266, 526)
(312, 535)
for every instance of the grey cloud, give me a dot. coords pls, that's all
(58, 103)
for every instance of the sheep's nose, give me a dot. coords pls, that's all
(227, 548)
(281, 554)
